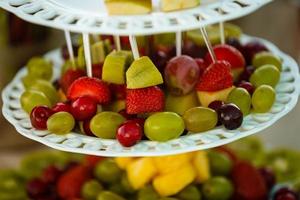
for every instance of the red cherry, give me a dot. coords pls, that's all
(128, 134)
(83, 108)
(51, 174)
(139, 121)
(248, 86)
(39, 116)
(61, 107)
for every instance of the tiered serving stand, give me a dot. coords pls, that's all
(90, 17)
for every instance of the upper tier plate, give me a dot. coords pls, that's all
(90, 16)
(287, 96)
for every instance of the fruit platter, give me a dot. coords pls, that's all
(114, 17)
(239, 171)
(157, 104)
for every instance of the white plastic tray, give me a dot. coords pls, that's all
(90, 16)
(287, 96)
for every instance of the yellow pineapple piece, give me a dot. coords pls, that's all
(128, 7)
(206, 98)
(201, 164)
(62, 95)
(140, 172)
(123, 162)
(172, 5)
(167, 164)
(171, 183)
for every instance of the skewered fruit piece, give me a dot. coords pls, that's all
(171, 5)
(263, 58)
(69, 77)
(265, 75)
(40, 68)
(241, 98)
(199, 119)
(60, 123)
(142, 73)
(215, 84)
(181, 75)
(163, 126)
(115, 65)
(98, 52)
(46, 88)
(263, 98)
(202, 166)
(180, 104)
(105, 124)
(30, 99)
(120, 7)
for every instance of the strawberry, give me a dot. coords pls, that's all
(248, 182)
(144, 100)
(118, 91)
(228, 53)
(93, 87)
(70, 183)
(216, 77)
(69, 77)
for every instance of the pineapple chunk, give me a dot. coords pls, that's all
(171, 183)
(201, 164)
(123, 162)
(171, 5)
(168, 164)
(206, 98)
(140, 172)
(128, 7)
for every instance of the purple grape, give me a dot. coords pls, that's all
(216, 105)
(268, 176)
(245, 75)
(252, 48)
(235, 43)
(248, 86)
(230, 116)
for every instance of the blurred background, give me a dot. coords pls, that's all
(278, 22)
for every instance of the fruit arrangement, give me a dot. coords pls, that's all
(242, 170)
(158, 99)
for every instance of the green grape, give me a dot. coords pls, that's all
(28, 80)
(61, 123)
(30, 99)
(265, 75)
(106, 195)
(107, 171)
(264, 58)
(200, 119)
(191, 192)
(241, 98)
(164, 126)
(147, 193)
(232, 30)
(263, 98)
(40, 68)
(220, 164)
(126, 185)
(47, 88)
(91, 189)
(117, 188)
(105, 124)
(68, 64)
(217, 188)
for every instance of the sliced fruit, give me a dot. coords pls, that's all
(98, 52)
(265, 75)
(171, 5)
(115, 65)
(30, 99)
(166, 185)
(140, 172)
(179, 104)
(142, 73)
(137, 7)
(202, 166)
(264, 58)
(136, 104)
(69, 77)
(123, 162)
(206, 98)
(92, 87)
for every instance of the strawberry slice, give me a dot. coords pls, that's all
(69, 184)
(144, 100)
(69, 77)
(249, 184)
(92, 87)
(228, 53)
(216, 77)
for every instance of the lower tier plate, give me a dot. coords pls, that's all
(287, 96)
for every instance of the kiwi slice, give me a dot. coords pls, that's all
(142, 73)
(115, 65)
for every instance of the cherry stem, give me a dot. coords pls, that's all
(178, 43)
(87, 54)
(117, 42)
(208, 44)
(70, 48)
(134, 48)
